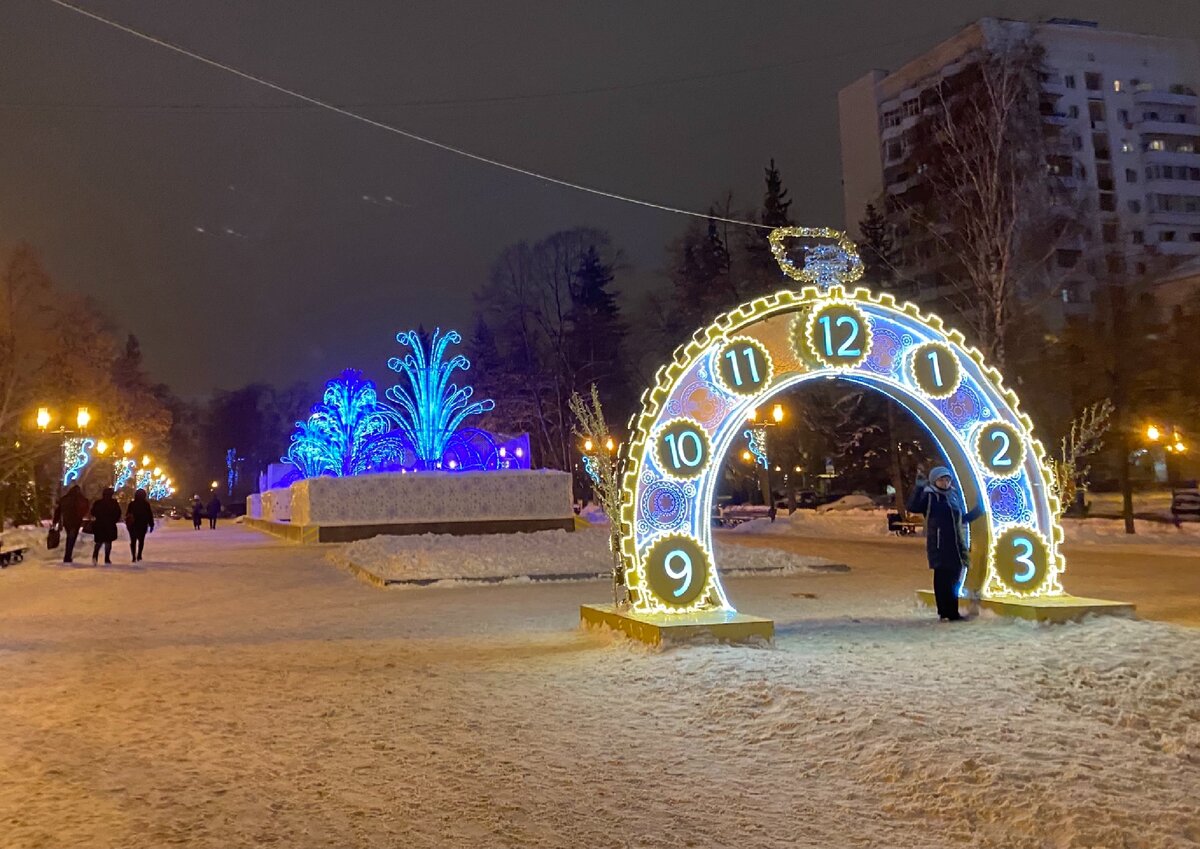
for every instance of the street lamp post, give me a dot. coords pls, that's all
(757, 436)
(72, 443)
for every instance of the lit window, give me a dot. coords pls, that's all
(1117, 86)
(1158, 144)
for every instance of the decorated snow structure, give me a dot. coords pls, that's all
(827, 329)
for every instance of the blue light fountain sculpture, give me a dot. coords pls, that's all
(349, 433)
(431, 410)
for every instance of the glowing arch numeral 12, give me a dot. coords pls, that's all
(839, 335)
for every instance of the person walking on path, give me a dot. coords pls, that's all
(139, 519)
(197, 511)
(214, 510)
(946, 521)
(106, 513)
(72, 508)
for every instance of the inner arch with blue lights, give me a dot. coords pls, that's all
(827, 330)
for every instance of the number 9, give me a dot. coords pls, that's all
(676, 569)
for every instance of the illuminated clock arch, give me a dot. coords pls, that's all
(699, 405)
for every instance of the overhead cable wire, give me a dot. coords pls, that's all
(393, 129)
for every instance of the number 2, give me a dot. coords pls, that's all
(684, 574)
(1024, 559)
(1001, 457)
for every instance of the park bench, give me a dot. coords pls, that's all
(1185, 503)
(11, 553)
(902, 527)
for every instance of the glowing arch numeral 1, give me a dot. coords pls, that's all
(1021, 558)
(935, 369)
(743, 366)
(1000, 449)
(677, 570)
(683, 448)
(839, 335)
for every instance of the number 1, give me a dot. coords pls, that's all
(937, 369)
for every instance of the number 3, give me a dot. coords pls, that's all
(1025, 560)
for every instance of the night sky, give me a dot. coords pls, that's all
(245, 237)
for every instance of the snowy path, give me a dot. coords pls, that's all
(241, 691)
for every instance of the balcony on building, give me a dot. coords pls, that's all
(1180, 129)
(1176, 95)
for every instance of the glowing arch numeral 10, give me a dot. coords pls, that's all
(839, 335)
(743, 366)
(677, 570)
(683, 448)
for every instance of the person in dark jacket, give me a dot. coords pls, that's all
(214, 510)
(946, 521)
(106, 514)
(197, 511)
(139, 518)
(72, 508)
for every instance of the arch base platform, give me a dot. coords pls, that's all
(1062, 608)
(723, 626)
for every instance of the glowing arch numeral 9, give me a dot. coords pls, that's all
(935, 369)
(677, 570)
(1000, 449)
(839, 335)
(1021, 559)
(683, 449)
(743, 366)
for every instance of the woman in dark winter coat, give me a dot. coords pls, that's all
(197, 512)
(106, 513)
(946, 521)
(214, 511)
(139, 518)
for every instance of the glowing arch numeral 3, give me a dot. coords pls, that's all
(1021, 558)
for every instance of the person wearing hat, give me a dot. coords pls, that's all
(946, 520)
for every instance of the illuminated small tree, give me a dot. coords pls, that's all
(604, 469)
(1086, 438)
(431, 408)
(347, 433)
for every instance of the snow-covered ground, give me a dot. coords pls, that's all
(545, 554)
(235, 690)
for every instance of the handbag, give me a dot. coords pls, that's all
(89, 526)
(53, 538)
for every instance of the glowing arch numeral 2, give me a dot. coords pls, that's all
(1000, 449)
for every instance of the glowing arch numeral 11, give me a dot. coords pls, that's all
(743, 366)
(751, 362)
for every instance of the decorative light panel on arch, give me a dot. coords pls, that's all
(700, 404)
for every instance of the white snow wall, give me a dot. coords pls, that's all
(393, 498)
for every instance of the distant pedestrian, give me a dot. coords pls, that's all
(214, 510)
(139, 519)
(946, 521)
(72, 509)
(197, 511)
(106, 513)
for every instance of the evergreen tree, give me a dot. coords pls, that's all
(878, 249)
(596, 332)
(776, 205)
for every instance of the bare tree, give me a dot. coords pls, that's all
(984, 205)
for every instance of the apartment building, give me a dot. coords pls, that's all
(1122, 112)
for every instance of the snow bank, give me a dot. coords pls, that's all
(807, 523)
(546, 554)
(849, 502)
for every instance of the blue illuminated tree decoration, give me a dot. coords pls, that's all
(431, 408)
(348, 433)
(77, 453)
